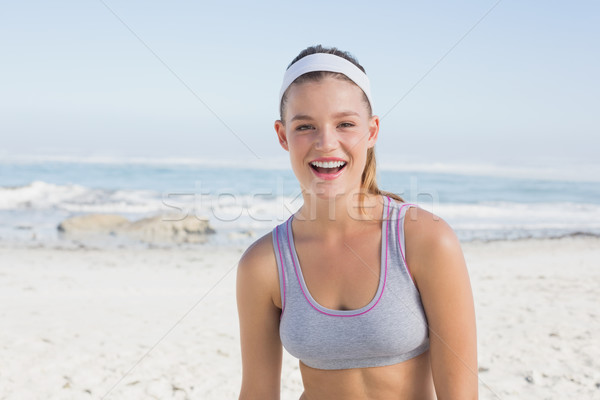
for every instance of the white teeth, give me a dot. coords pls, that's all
(328, 164)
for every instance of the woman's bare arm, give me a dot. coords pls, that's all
(259, 322)
(441, 275)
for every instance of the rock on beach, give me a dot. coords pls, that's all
(93, 223)
(161, 228)
(170, 228)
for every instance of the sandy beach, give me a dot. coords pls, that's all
(133, 323)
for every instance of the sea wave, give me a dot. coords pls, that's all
(39, 206)
(40, 195)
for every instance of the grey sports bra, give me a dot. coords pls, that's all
(390, 329)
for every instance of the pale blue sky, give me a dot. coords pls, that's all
(522, 85)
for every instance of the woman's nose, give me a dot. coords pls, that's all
(326, 139)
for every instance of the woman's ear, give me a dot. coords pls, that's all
(373, 131)
(281, 135)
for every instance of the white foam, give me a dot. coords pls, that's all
(40, 195)
(505, 220)
(42, 205)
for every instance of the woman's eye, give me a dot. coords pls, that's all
(346, 125)
(303, 127)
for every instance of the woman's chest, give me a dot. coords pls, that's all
(342, 277)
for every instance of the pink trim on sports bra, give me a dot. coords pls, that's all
(282, 273)
(400, 244)
(384, 279)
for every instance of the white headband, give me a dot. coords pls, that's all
(326, 62)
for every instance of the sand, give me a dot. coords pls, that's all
(162, 323)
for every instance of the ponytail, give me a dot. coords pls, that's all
(369, 180)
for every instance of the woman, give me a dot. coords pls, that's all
(332, 284)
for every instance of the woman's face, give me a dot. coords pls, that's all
(327, 131)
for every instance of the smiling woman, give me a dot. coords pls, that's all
(342, 66)
(332, 284)
(327, 121)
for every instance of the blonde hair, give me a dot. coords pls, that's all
(369, 179)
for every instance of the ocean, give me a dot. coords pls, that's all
(244, 202)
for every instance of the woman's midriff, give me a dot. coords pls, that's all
(409, 380)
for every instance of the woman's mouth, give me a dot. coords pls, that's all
(327, 167)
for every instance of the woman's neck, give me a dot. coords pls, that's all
(343, 213)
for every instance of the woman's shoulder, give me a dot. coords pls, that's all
(421, 226)
(258, 265)
(260, 252)
(429, 240)
(425, 227)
